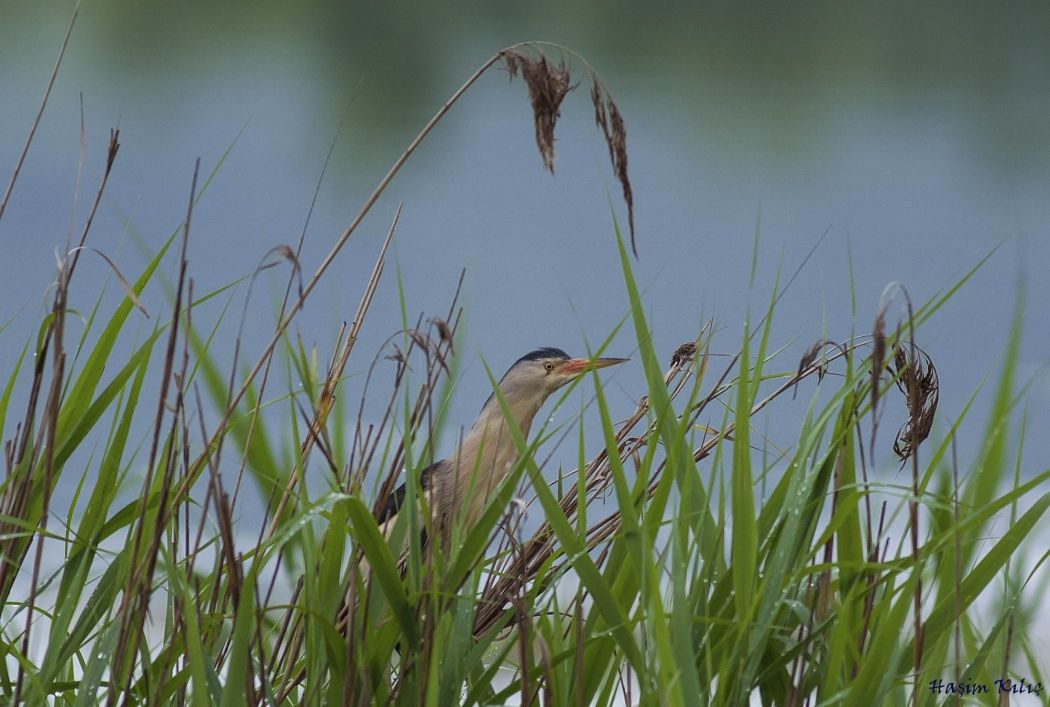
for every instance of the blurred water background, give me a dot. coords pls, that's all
(915, 136)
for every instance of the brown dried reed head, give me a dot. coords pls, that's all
(917, 379)
(878, 359)
(683, 354)
(548, 84)
(444, 330)
(809, 358)
(878, 351)
(607, 117)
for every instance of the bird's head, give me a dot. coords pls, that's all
(539, 373)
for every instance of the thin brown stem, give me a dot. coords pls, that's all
(39, 112)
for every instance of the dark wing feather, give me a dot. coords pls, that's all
(394, 501)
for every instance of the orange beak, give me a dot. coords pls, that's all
(575, 366)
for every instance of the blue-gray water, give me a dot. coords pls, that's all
(917, 138)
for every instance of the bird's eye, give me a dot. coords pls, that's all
(548, 366)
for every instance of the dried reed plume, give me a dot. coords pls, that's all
(548, 84)
(916, 377)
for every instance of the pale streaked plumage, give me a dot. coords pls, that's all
(460, 486)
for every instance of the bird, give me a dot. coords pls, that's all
(458, 488)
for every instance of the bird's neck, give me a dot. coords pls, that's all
(522, 409)
(488, 451)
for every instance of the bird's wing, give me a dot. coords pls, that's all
(394, 501)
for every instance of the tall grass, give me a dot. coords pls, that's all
(658, 572)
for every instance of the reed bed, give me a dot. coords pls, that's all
(655, 572)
